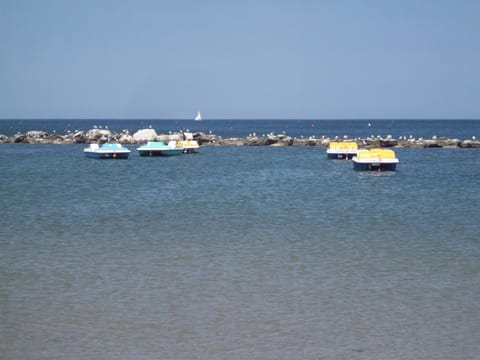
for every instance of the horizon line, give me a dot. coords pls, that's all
(241, 119)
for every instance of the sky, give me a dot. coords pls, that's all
(245, 59)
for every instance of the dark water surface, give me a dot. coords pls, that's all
(236, 253)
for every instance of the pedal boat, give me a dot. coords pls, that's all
(159, 148)
(342, 149)
(106, 151)
(375, 160)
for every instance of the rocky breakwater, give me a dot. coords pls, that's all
(101, 136)
(404, 142)
(369, 142)
(142, 136)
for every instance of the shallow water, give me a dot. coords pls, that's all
(234, 253)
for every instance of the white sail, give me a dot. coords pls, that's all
(198, 117)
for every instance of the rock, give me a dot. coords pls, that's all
(175, 137)
(163, 137)
(372, 142)
(228, 142)
(94, 135)
(145, 135)
(210, 139)
(126, 139)
(431, 144)
(55, 139)
(325, 141)
(446, 142)
(255, 141)
(36, 134)
(389, 142)
(18, 138)
(286, 141)
(299, 142)
(271, 139)
(469, 144)
(282, 142)
(78, 137)
(198, 135)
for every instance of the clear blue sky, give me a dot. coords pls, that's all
(162, 59)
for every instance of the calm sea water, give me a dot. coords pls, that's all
(239, 253)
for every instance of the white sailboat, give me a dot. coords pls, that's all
(198, 117)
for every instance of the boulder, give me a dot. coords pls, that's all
(36, 134)
(431, 144)
(299, 142)
(145, 135)
(255, 141)
(78, 137)
(204, 139)
(175, 137)
(373, 142)
(470, 144)
(388, 142)
(18, 138)
(229, 142)
(94, 135)
(271, 139)
(446, 142)
(311, 142)
(288, 141)
(163, 137)
(55, 139)
(126, 139)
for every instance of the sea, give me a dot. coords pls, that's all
(240, 252)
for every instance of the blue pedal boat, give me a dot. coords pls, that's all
(106, 151)
(159, 148)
